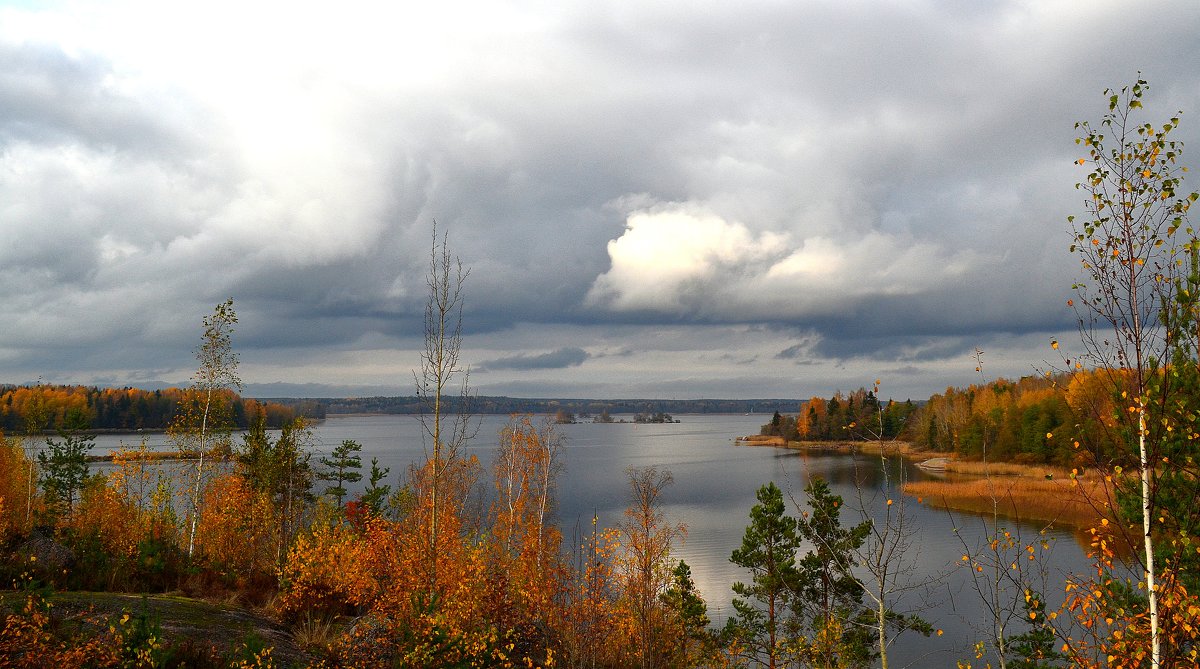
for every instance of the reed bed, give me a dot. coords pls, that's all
(980, 468)
(761, 440)
(1049, 496)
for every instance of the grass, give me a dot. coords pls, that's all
(158, 456)
(761, 440)
(183, 619)
(315, 635)
(980, 468)
(1023, 492)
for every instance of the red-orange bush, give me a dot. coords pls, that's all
(328, 571)
(236, 535)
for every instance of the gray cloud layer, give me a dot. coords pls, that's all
(563, 357)
(760, 200)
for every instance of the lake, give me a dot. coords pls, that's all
(715, 481)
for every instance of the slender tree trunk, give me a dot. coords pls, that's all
(195, 505)
(285, 526)
(883, 658)
(881, 562)
(1143, 455)
(1151, 592)
(1001, 646)
(547, 472)
(541, 519)
(439, 364)
(199, 472)
(29, 497)
(437, 468)
(771, 639)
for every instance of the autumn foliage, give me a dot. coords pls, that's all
(14, 475)
(50, 408)
(237, 537)
(500, 587)
(1066, 419)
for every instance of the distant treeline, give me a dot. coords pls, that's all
(841, 417)
(583, 409)
(1066, 419)
(50, 408)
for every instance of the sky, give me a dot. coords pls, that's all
(653, 199)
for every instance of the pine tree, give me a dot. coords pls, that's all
(768, 550)
(687, 610)
(829, 599)
(376, 496)
(64, 469)
(341, 467)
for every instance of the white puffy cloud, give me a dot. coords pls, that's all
(663, 256)
(681, 261)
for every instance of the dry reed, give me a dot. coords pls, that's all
(1050, 496)
(980, 468)
(316, 635)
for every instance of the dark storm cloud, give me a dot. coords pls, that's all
(563, 357)
(792, 352)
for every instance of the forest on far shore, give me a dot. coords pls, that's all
(64, 408)
(1068, 419)
(583, 409)
(54, 407)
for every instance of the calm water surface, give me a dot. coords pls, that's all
(714, 487)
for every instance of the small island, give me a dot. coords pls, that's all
(565, 417)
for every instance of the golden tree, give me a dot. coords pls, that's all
(647, 539)
(203, 419)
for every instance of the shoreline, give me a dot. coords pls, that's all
(1038, 493)
(890, 446)
(157, 456)
(98, 431)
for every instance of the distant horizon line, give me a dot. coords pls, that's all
(281, 390)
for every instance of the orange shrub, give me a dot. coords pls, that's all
(236, 534)
(326, 572)
(26, 642)
(14, 490)
(107, 523)
(1110, 634)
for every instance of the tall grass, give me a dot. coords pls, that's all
(1049, 495)
(316, 635)
(981, 468)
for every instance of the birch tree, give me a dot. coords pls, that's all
(1005, 565)
(203, 419)
(647, 538)
(527, 465)
(1129, 245)
(446, 428)
(889, 556)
